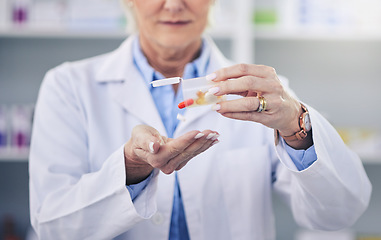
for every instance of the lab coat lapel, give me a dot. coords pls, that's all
(127, 87)
(136, 99)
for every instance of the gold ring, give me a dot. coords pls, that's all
(262, 104)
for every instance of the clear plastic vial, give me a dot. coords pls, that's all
(195, 91)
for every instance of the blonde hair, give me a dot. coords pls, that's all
(132, 26)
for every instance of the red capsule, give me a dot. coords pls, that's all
(186, 103)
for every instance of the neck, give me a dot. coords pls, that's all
(170, 61)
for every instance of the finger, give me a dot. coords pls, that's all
(247, 104)
(142, 154)
(193, 150)
(181, 165)
(146, 138)
(212, 141)
(245, 116)
(176, 146)
(241, 86)
(240, 70)
(172, 148)
(203, 149)
(153, 148)
(189, 152)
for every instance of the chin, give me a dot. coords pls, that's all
(178, 40)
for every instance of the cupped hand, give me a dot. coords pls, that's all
(147, 149)
(251, 81)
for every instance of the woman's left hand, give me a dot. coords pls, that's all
(251, 81)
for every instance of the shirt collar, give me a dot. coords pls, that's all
(193, 69)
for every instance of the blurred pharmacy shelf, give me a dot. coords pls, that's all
(59, 33)
(273, 33)
(244, 26)
(240, 21)
(370, 159)
(364, 141)
(257, 32)
(105, 19)
(29, 32)
(14, 156)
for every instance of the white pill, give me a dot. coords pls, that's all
(181, 117)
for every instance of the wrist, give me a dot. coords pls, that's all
(136, 169)
(303, 143)
(300, 136)
(135, 175)
(295, 126)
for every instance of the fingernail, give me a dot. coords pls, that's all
(199, 135)
(211, 77)
(210, 135)
(150, 145)
(215, 142)
(215, 137)
(214, 90)
(216, 107)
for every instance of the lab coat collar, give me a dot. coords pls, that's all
(120, 61)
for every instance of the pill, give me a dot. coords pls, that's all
(181, 117)
(210, 97)
(200, 100)
(185, 103)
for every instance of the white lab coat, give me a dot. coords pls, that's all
(84, 115)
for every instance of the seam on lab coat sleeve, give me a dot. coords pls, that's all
(145, 203)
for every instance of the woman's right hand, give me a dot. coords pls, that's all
(147, 150)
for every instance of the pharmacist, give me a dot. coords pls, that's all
(109, 158)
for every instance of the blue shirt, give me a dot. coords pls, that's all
(166, 102)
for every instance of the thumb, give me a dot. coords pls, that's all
(148, 138)
(153, 147)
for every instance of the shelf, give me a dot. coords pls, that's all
(19, 155)
(321, 34)
(61, 33)
(28, 33)
(368, 155)
(258, 32)
(370, 159)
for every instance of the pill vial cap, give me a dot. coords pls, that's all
(166, 81)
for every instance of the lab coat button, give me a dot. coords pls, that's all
(158, 218)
